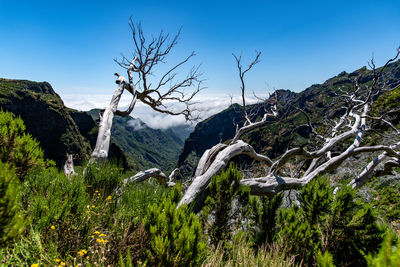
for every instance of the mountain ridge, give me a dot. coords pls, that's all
(272, 139)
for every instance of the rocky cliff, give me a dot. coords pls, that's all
(59, 130)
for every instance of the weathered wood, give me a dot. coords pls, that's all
(221, 160)
(100, 152)
(150, 173)
(69, 166)
(353, 124)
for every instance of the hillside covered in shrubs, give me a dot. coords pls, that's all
(49, 219)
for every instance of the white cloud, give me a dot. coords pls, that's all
(206, 104)
(136, 125)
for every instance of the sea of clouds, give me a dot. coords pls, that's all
(205, 105)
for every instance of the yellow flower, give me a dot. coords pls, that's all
(109, 198)
(58, 260)
(93, 206)
(101, 241)
(82, 253)
(62, 264)
(101, 235)
(96, 233)
(52, 227)
(96, 191)
(35, 265)
(87, 257)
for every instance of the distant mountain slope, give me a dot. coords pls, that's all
(146, 146)
(319, 101)
(45, 117)
(59, 130)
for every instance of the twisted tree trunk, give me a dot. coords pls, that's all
(100, 152)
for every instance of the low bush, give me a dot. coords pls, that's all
(175, 234)
(11, 218)
(263, 215)
(18, 148)
(104, 178)
(225, 205)
(389, 253)
(337, 223)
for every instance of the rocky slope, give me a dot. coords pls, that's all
(59, 130)
(320, 101)
(45, 117)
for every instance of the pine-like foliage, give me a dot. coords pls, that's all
(336, 223)
(11, 219)
(225, 204)
(389, 253)
(18, 148)
(263, 213)
(324, 260)
(175, 234)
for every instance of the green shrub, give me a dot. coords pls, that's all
(134, 200)
(325, 221)
(175, 234)
(18, 148)
(389, 253)
(50, 196)
(28, 250)
(298, 234)
(324, 260)
(263, 214)
(103, 177)
(219, 211)
(387, 199)
(11, 218)
(129, 238)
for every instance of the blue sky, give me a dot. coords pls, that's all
(72, 44)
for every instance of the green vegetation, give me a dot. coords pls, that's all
(46, 118)
(263, 213)
(16, 147)
(175, 234)
(389, 253)
(387, 101)
(243, 254)
(387, 198)
(221, 219)
(11, 218)
(49, 219)
(145, 147)
(337, 223)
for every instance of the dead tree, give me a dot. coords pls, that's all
(158, 91)
(352, 125)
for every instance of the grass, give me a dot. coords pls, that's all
(67, 216)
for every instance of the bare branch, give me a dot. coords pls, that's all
(281, 173)
(168, 88)
(241, 76)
